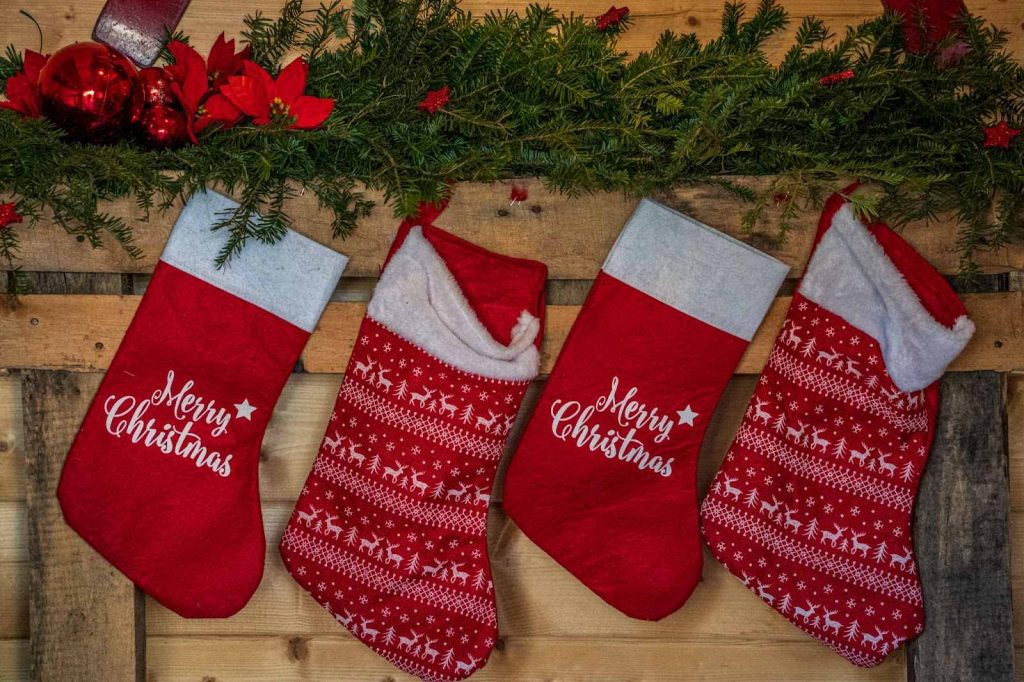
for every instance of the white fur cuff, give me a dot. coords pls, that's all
(851, 276)
(418, 298)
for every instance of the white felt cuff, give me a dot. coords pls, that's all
(292, 279)
(695, 269)
(418, 298)
(851, 276)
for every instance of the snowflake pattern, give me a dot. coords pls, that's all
(843, 456)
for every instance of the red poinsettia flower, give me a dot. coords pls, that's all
(613, 17)
(1000, 135)
(267, 100)
(8, 215)
(434, 100)
(926, 22)
(191, 86)
(23, 87)
(223, 62)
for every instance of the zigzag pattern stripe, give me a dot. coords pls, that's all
(338, 560)
(780, 544)
(430, 428)
(411, 666)
(855, 656)
(843, 390)
(470, 521)
(821, 471)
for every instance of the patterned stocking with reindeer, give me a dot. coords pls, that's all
(389, 534)
(812, 507)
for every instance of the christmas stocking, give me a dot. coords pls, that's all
(162, 478)
(812, 507)
(604, 477)
(389, 532)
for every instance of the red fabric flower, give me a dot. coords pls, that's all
(926, 22)
(518, 194)
(613, 17)
(8, 215)
(434, 100)
(257, 94)
(23, 87)
(1000, 135)
(223, 62)
(834, 78)
(191, 86)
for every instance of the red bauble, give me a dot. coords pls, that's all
(87, 90)
(162, 127)
(154, 88)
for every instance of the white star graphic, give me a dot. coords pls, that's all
(686, 416)
(244, 410)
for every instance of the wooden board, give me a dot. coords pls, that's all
(82, 611)
(12, 460)
(64, 21)
(82, 333)
(962, 539)
(548, 227)
(1015, 453)
(85, 617)
(285, 658)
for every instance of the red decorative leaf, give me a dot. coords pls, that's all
(434, 100)
(613, 17)
(1000, 135)
(8, 215)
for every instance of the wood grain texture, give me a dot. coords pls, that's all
(82, 333)
(285, 658)
(547, 227)
(962, 539)
(85, 618)
(14, 660)
(12, 459)
(82, 611)
(1015, 452)
(65, 21)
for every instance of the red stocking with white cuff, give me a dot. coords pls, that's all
(812, 507)
(603, 479)
(162, 477)
(389, 532)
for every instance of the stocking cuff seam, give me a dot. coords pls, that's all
(695, 269)
(292, 279)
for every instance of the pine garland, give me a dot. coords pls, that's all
(551, 96)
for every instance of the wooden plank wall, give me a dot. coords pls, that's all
(551, 626)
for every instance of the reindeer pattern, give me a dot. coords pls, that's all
(412, 456)
(825, 477)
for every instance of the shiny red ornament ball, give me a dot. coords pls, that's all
(154, 86)
(88, 91)
(163, 127)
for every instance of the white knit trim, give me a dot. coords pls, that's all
(851, 276)
(293, 279)
(418, 298)
(695, 269)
